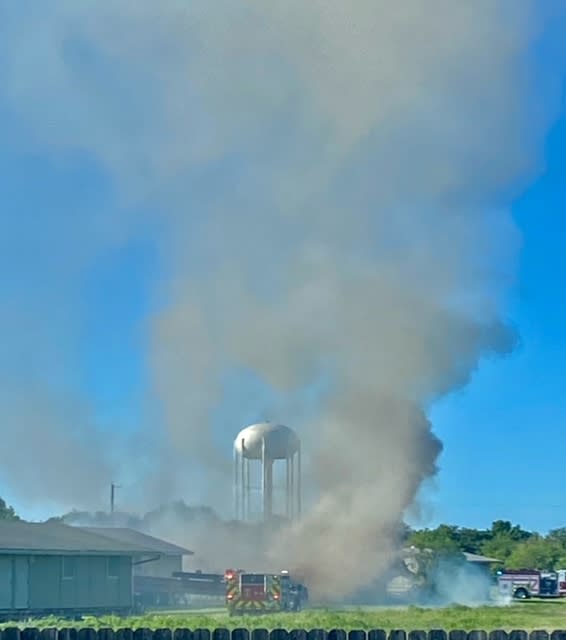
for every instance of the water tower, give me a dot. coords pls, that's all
(261, 446)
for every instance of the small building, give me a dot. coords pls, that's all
(166, 559)
(156, 575)
(52, 568)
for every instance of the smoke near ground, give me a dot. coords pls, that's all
(332, 179)
(461, 583)
(418, 577)
(217, 543)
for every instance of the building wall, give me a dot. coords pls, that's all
(57, 582)
(162, 568)
(14, 576)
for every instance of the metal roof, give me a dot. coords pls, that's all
(131, 536)
(57, 539)
(474, 557)
(470, 557)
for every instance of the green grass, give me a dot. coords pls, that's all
(528, 616)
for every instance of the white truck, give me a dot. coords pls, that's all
(525, 583)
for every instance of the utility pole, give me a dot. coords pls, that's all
(113, 487)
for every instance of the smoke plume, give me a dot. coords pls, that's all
(217, 543)
(332, 178)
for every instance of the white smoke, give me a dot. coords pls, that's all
(331, 178)
(461, 583)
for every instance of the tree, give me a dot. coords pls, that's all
(443, 538)
(7, 512)
(500, 546)
(536, 553)
(513, 532)
(502, 539)
(472, 540)
(558, 535)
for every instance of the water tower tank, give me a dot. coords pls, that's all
(280, 442)
(266, 443)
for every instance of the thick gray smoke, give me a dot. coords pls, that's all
(332, 177)
(217, 543)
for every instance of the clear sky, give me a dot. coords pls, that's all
(505, 434)
(75, 322)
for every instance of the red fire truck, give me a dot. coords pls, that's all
(262, 592)
(524, 583)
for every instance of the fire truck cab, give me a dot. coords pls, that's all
(262, 592)
(523, 584)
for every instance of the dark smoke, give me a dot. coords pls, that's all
(330, 177)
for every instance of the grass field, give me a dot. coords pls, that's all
(525, 615)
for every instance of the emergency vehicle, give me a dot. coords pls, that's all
(262, 592)
(523, 583)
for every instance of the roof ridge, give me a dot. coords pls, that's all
(59, 537)
(160, 546)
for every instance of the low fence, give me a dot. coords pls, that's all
(13, 633)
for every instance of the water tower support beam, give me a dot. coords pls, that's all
(299, 471)
(287, 487)
(268, 505)
(236, 487)
(247, 514)
(292, 487)
(266, 482)
(243, 488)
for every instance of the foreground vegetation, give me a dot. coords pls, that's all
(529, 616)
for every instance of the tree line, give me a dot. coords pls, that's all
(7, 512)
(514, 546)
(509, 543)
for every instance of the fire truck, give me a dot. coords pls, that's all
(522, 584)
(262, 592)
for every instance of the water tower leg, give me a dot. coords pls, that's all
(268, 504)
(236, 487)
(292, 487)
(287, 487)
(266, 482)
(247, 489)
(299, 482)
(263, 479)
(243, 491)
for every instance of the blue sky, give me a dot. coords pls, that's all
(505, 434)
(76, 319)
